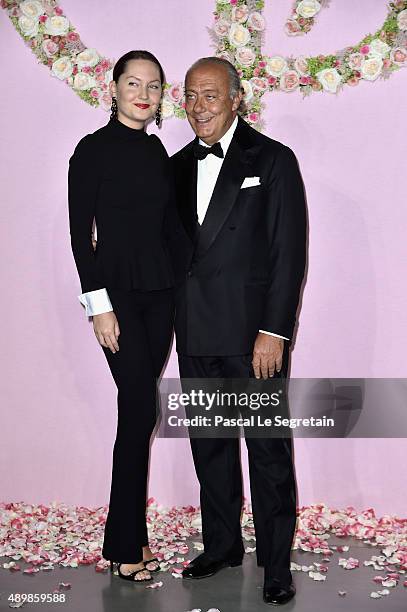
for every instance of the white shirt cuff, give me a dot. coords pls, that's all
(96, 302)
(271, 334)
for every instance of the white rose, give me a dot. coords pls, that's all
(301, 65)
(32, 8)
(276, 65)
(88, 57)
(28, 26)
(247, 89)
(108, 76)
(83, 81)
(329, 79)
(308, 8)
(57, 25)
(256, 21)
(245, 56)
(371, 68)
(167, 109)
(62, 68)
(239, 36)
(378, 47)
(402, 20)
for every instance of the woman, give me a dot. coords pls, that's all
(120, 177)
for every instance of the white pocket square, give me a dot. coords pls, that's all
(250, 181)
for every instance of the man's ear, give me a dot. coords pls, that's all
(236, 101)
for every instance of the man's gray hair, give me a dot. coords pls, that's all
(235, 86)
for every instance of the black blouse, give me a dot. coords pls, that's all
(121, 177)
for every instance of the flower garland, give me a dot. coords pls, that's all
(55, 42)
(237, 35)
(302, 18)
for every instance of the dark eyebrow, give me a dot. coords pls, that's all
(205, 91)
(138, 79)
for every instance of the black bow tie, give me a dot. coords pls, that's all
(201, 152)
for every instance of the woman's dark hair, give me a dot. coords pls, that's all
(120, 65)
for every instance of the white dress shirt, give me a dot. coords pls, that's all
(97, 302)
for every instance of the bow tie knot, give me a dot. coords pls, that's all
(201, 152)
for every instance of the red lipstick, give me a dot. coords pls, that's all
(143, 106)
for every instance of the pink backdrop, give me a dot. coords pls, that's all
(58, 398)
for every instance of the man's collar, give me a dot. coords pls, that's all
(226, 138)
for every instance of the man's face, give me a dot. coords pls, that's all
(209, 107)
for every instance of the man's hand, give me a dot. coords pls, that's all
(107, 330)
(267, 355)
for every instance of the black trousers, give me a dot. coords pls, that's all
(272, 481)
(146, 323)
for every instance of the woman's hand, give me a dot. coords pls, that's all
(107, 330)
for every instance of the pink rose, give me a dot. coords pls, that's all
(61, 44)
(355, 60)
(94, 93)
(245, 56)
(304, 80)
(49, 47)
(301, 21)
(233, 2)
(75, 70)
(256, 72)
(222, 28)
(256, 21)
(292, 27)
(86, 69)
(175, 92)
(72, 36)
(365, 49)
(240, 13)
(353, 81)
(58, 11)
(289, 80)
(105, 64)
(99, 69)
(43, 18)
(100, 77)
(259, 84)
(399, 55)
(386, 63)
(254, 117)
(271, 80)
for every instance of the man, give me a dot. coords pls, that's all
(241, 200)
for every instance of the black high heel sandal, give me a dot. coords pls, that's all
(115, 569)
(153, 560)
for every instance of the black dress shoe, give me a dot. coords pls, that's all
(278, 595)
(203, 567)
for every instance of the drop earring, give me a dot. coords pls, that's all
(158, 116)
(113, 109)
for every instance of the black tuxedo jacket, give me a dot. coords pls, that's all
(245, 263)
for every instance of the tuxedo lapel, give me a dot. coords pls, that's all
(235, 167)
